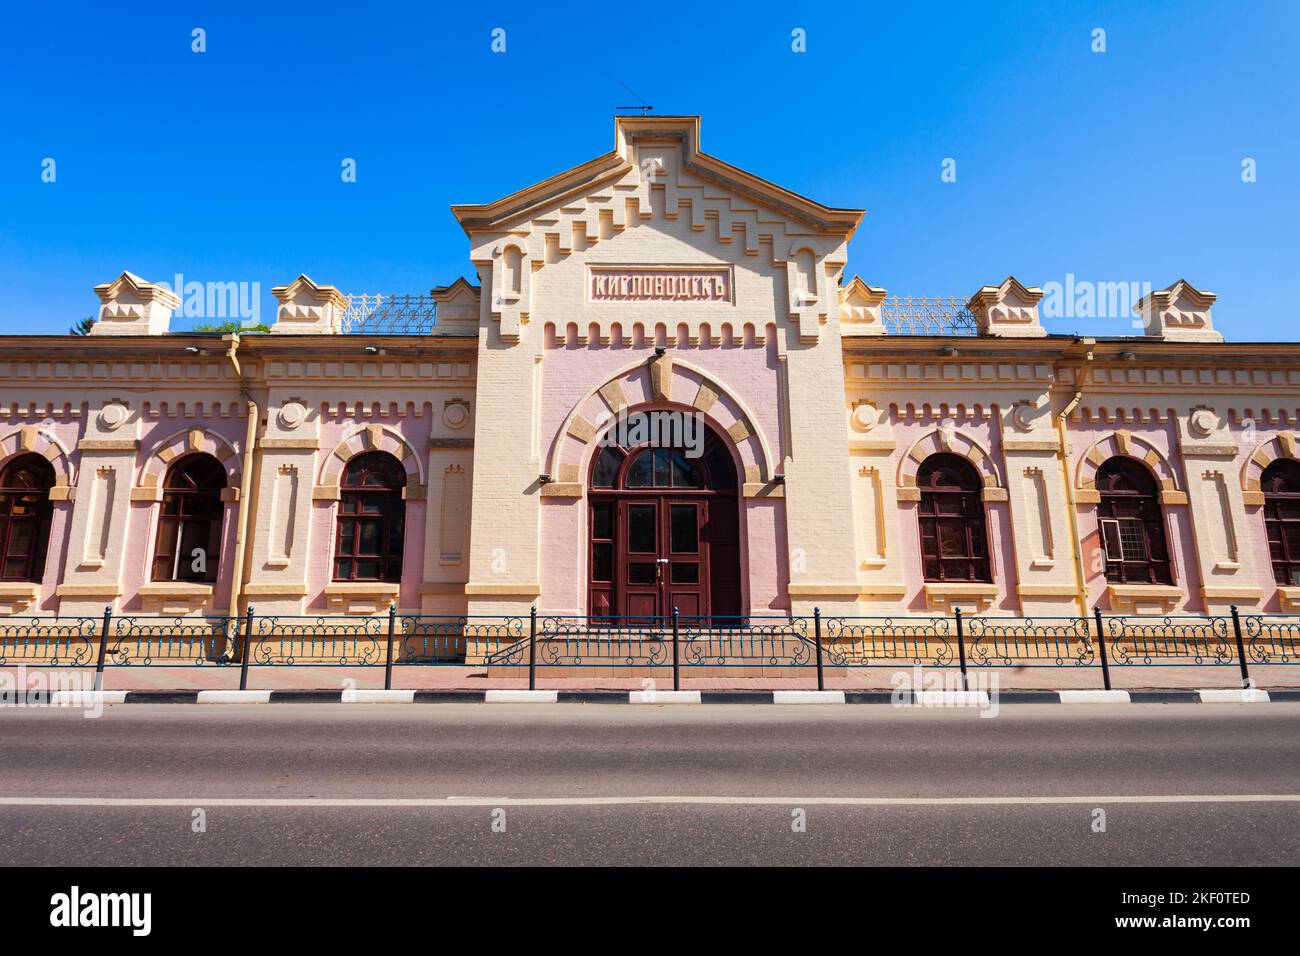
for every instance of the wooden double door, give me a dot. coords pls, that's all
(655, 552)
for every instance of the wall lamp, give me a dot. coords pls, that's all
(778, 479)
(660, 350)
(948, 350)
(1128, 356)
(544, 479)
(193, 350)
(372, 350)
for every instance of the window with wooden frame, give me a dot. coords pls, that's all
(25, 512)
(371, 519)
(1132, 524)
(1280, 484)
(954, 533)
(188, 545)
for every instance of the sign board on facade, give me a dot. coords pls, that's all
(660, 283)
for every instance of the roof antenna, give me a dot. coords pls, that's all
(644, 107)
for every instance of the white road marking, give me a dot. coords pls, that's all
(200, 801)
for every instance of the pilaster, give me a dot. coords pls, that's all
(281, 528)
(1042, 537)
(97, 542)
(1219, 522)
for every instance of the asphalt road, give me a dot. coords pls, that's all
(615, 784)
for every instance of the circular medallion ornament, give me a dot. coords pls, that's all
(1022, 416)
(1202, 422)
(865, 417)
(112, 416)
(292, 414)
(455, 414)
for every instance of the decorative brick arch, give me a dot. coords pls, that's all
(187, 440)
(1127, 445)
(374, 438)
(954, 442)
(33, 439)
(1274, 449)
(666, 383)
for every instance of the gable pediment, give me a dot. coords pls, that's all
(651, 153)
(656, 202)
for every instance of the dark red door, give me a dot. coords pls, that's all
(663, 559)
(640, 573)
(664, 533)
(685, 562)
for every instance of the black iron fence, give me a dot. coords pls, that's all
(710, 646)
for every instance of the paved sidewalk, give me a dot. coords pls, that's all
(209, 677)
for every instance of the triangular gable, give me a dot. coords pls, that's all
(573, 184)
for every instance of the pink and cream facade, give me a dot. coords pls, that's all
(471, 469)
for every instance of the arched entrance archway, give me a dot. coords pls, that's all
(663, 529)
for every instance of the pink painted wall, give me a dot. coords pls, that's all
(1249, 434)
(412, 423)
(68, 431)
(142, 520)
(571, 370)
(1178, 530)
(979, 424)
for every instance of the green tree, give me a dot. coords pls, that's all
(82, 327)
(231, 327)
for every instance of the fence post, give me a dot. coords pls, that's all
(817, 640)
(1241, 647)
(677, 674)
(247, 649)
(388, 664)
(532, 649)
(961, 646)
(103, 648)
(1101, 646)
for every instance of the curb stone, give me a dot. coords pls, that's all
(657, 697)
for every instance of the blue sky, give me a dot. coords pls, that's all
(1122, 166)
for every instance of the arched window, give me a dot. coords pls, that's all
(188, 547)
(954, 538)
(372, 517)
(1281, 486)
(1132, 524)
(25, 511)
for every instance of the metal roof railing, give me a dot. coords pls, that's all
(384, 314)
(927, 315)
(389, 315)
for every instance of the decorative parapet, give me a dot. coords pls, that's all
(458, 306)
(1009, 310)
(860, 312)
(132, 306)
(1180, 313)
(309, 309)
